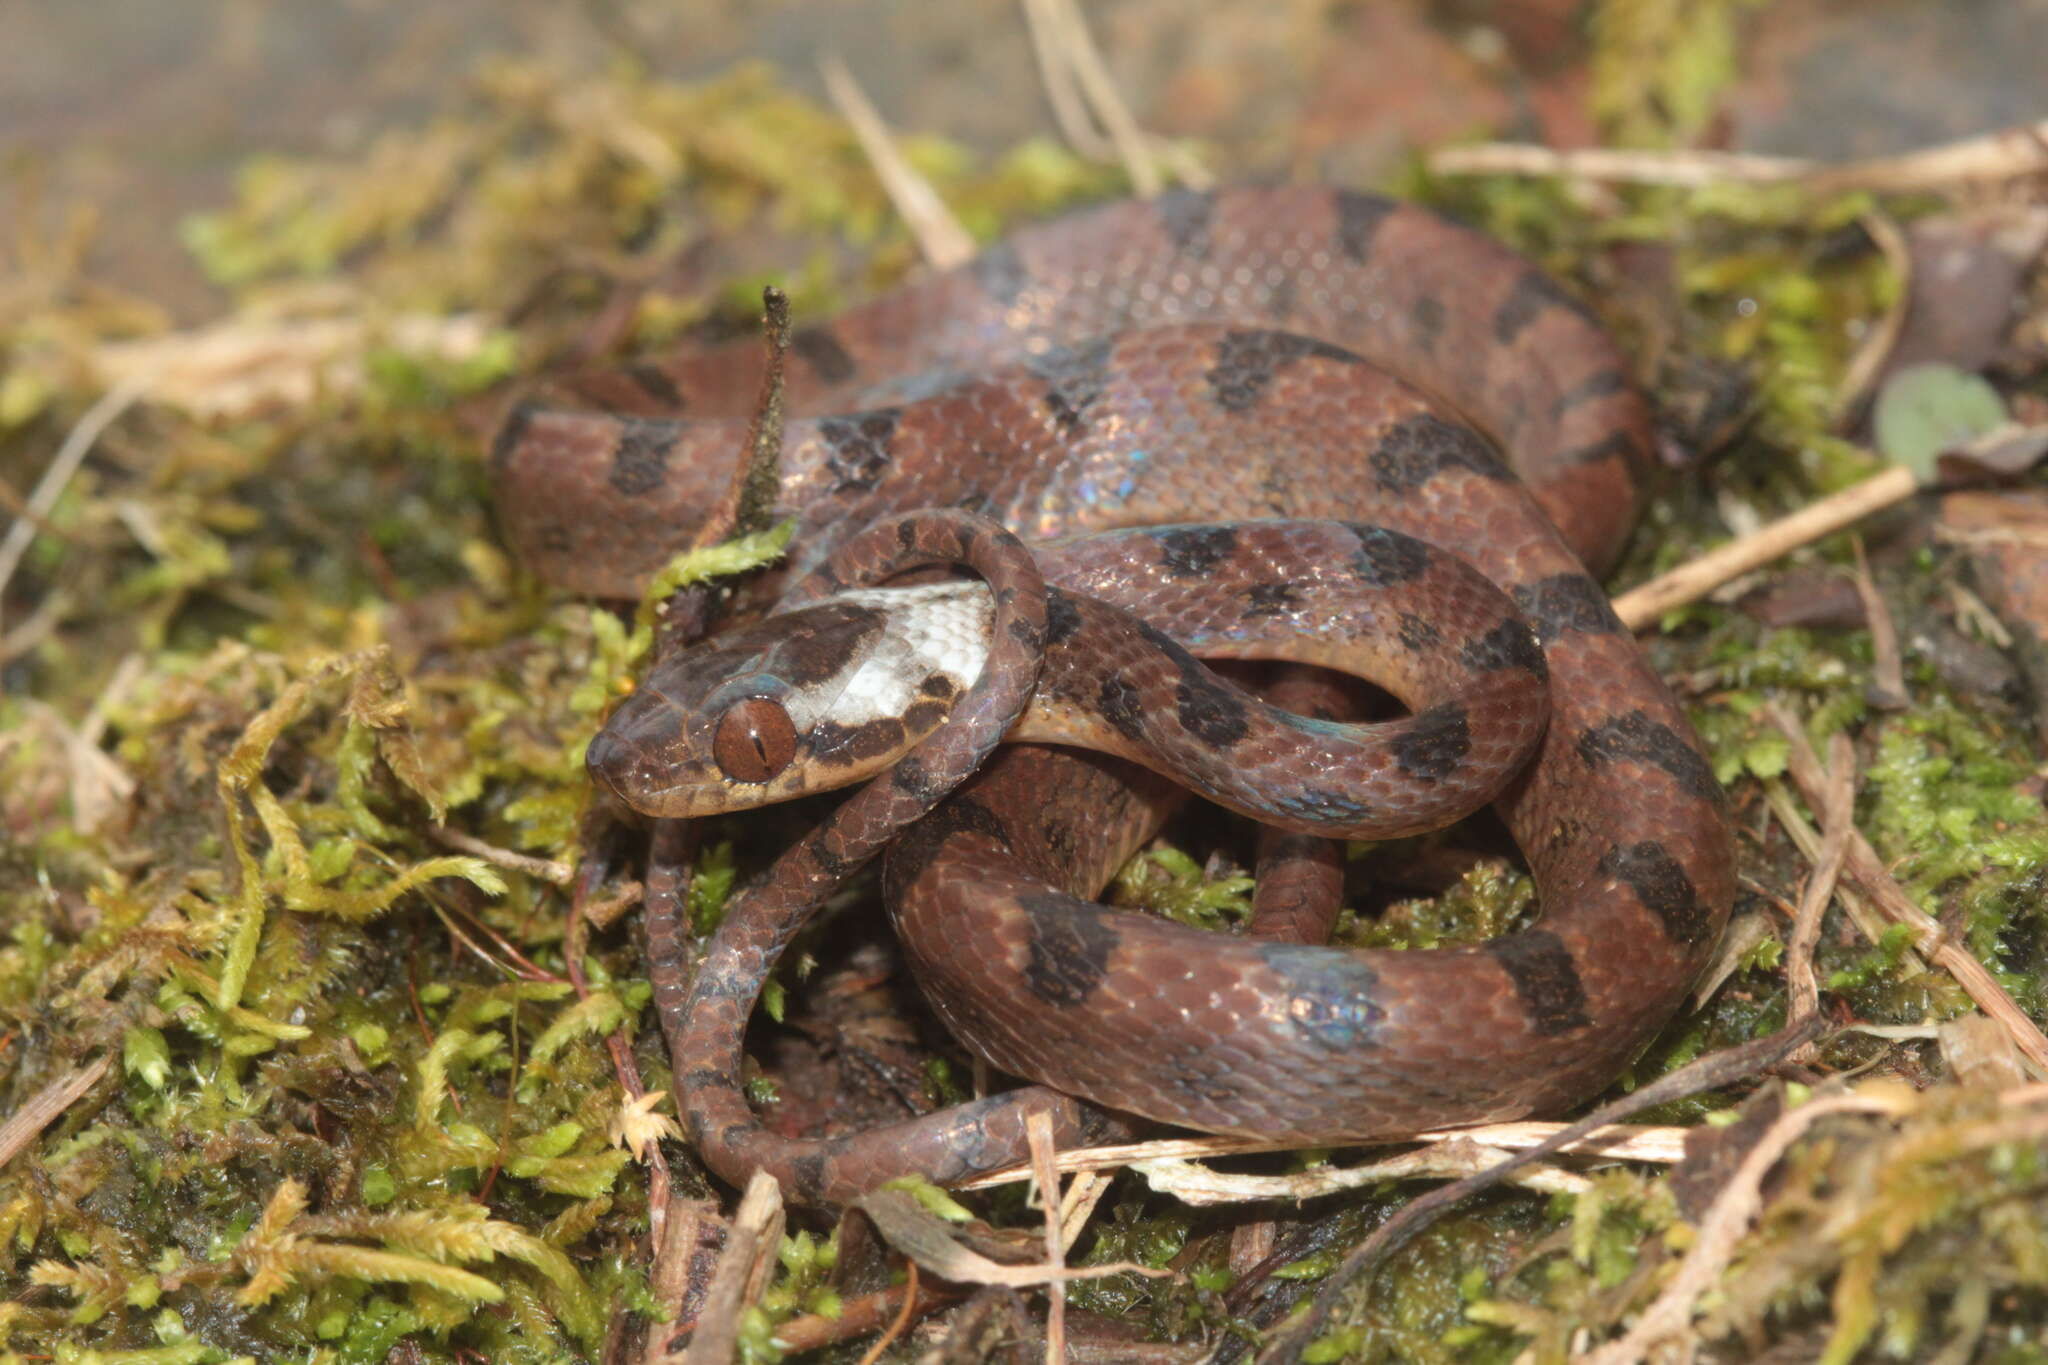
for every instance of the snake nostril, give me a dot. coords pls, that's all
(608, 759)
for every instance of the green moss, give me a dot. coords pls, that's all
(327, 656)
(354, 1099)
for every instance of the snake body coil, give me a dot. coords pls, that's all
(1198, 358)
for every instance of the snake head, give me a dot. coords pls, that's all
(807, 701)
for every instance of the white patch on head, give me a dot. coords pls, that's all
(940, 628)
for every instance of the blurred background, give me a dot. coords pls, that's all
(146, 110)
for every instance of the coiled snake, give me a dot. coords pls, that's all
(1191, 360)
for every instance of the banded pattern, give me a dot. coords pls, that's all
(1195, 359)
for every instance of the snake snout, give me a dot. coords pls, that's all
(632, 769)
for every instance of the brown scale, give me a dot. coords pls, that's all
(1619, 816)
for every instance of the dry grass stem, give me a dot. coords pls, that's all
(64, 466)
(1448, 1160)
(1622, 1142)
(1890, 900)
(940, 238)
(544, 869)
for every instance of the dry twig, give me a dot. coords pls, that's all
(1838, 822)
(46, 1104)
(750, 1247)
(1038, 1133)
(1868, 363)
(2009, 154)
(1640, 607)
(1888, 666)
(902, 1318)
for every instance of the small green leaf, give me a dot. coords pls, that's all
(146, 1055)
(553, 1142)
(1926, 409)
(935, 1200)
(1766, 755)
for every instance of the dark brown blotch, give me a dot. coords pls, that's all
(510, 435)
(1209, 710)
(1636, 738)
(653, 381)
(836, 745)
(1567, 604)
(1615, 445)
(825, 852)
(1602, 384)
(1185, 215)
(1417, 633)
(820, 348)
(1068, 948)
(1247, 360)
(911, 777)
(1534, 294)
(807, 1177)
(1545, 978)
(915, 849)
(640, 456)
(1075, 377)
(857, 447)
(1359, 218)
(1385, 557)
(1271, 599)
(1416, 449)
(1120, 704)
(1191, 551)
(1434, 742)
(1062, 618)
(1661, 884)
(1511, 644)
(829, 636)
(921, 716)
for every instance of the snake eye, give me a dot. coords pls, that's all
(755, 740)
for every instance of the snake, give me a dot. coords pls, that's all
(1193, 366)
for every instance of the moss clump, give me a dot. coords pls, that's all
(353, 1092)
(358, 1083)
